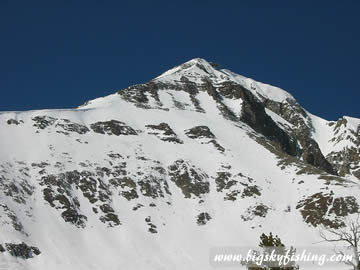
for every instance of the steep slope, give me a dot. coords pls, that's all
(155, 175)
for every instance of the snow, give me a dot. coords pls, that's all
(180, 243)
(354, 123)
(197, 69)
(324, 133)
(278, 119)
(258, 88)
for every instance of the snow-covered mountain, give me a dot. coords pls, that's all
(155, 175)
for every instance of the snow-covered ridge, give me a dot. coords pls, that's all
(197, 69)
(260, 89)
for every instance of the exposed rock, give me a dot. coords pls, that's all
(203, 218)
(152, 228)
(224, 181)
(347, 160)
(312, 155)
(259, 210)
(14, 122)
(191, 180)
(110, 217)
(138, 206)
(154, 183)
(63, 126)
(199, 132)
(12, 218)
(236, 186)
(68, 126)
(204, 136)
(127, 186)
(310, 151)
(251, 191)
(323, 208)
(112, 127)
(22, 250)
(42, 122)
(164, 133)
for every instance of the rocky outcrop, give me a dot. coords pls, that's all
(190, 179)
(236, 186)
(112, 127)
(21, 250)
(323, 208)
(312, 154)
(309, 151)
(347, 160)
(14, 122)
(258, 210)
(164, 132)
(64, 126)
(253, 113)
(203, 218)
(199, 132)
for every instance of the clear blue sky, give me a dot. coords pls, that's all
(58, 54)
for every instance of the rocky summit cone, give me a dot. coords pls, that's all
(157, 174)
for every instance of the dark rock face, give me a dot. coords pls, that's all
(18, 190)
(199, 132)
(110, 217)
(64, 191)
(296, 143)
(236, 186)
(251, 191)
(64, 126)
(128, 185)
(258, 210)
(68, 126)
(204, 136)
(152, 227)
(214, 92)
(14, 122)
(253, 113)
(21, 250)
(164, 132)
(203, 218)
(224, 181)
(152, 180)
(13, 219)
(292, 112)
(317, 209)
(135, 94)
(112, 127)
(347, 160)
(42, 122)
(217, 146)
(191, 180)
(59, 193)
(140, 94)
(312, 155)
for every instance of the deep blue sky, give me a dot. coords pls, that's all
(58, 54)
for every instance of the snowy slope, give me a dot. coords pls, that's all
(154, 176)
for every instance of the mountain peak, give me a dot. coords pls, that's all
(198, 69)
(194, 69)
